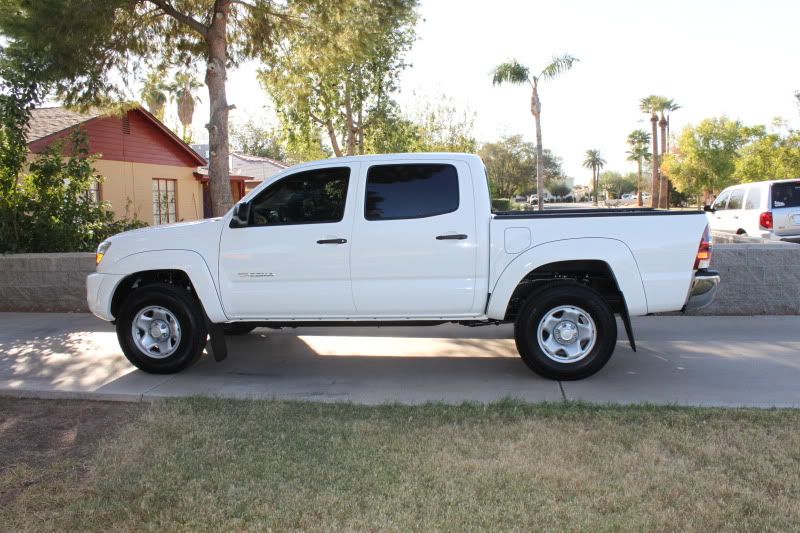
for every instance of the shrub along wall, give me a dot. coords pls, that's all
(756, 279)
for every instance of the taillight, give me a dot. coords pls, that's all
(703, 258)
(765, 220)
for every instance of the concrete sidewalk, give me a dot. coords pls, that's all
(719, 361)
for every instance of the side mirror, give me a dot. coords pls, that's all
(708, 208)
(241, 215)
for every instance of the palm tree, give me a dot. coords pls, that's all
(667, 106)
(154, 93)
(652, 105)
(638, 141)
(183, 89)
(595, 161)
(518, 74)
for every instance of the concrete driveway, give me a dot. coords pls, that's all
(721, 361)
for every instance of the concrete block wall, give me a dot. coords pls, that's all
(757, 279)
(45, 282)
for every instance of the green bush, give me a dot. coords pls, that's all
(501, 204)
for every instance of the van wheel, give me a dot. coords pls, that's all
(160, 329)
(565, 332)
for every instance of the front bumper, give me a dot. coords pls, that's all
(703, 290)
(99, 291)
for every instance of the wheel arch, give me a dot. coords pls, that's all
(177, 267)
(606, 265)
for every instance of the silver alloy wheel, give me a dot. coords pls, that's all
(156, 332)
(566, 334)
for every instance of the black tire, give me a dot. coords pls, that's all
(237, 328)
(186, 310)
(539, 304)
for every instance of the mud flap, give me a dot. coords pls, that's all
(216, 347)
(626, 320)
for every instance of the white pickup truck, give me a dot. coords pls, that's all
(399, 239)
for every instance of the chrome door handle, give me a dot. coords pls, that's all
(455, 237)
(331, 241)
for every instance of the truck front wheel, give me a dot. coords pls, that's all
(565, 332)
(160, 328)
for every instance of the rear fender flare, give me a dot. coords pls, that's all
(611, 251)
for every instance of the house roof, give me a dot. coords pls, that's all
(259, 159)
(47, 121)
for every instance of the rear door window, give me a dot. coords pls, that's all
(753, 200)
(410, 191)
(786, 194)
(737, 196)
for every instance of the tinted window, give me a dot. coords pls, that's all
(736, 199)
(753, 200)
(410, 191)
(720, 202)
(311, 197)
(786, 194)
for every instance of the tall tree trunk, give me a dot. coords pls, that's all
(654, 194)
(664, 199)
(218, 167)
(536, 110)
(639, 185)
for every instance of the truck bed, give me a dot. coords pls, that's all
(594, 212)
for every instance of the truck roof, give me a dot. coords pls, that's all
(403, 157)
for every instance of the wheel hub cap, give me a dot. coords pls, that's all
(156, 332)
(566, 334)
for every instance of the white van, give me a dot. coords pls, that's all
(765, 209)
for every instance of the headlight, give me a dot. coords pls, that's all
(101, 251)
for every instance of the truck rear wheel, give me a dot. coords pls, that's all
(160, 328)
(565, 332)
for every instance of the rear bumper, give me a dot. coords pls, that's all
(703, 290)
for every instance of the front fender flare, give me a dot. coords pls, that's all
(611, 251)
(187, 261)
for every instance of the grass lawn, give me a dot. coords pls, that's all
(204, 464)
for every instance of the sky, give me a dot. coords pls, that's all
(734, 58)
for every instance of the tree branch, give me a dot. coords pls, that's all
(193, 23)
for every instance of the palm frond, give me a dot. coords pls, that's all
(510, 72)
(557, 66)
(638, 137)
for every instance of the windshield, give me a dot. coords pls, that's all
(786, 194)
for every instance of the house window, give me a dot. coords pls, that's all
(93, 193)
(164, 210)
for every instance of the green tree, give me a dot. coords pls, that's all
(772, 156)
(515, 73)
(707, 154)
(88, 50)
(639, 153)
(616, 184)
(509, 162)
(253, 139)
(155, 93)
(183, 89)
(558, 187)
(339, 73)
(594, 161)
(438, 127)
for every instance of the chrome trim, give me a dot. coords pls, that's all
(703, 290)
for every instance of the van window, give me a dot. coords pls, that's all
(736, 199)
(786, 194)
(410, 191)
(722, 199)
(753, 200)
